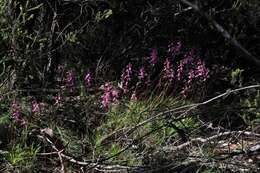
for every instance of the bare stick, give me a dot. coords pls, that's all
(200, 141)
(246, 54)
(61, 155)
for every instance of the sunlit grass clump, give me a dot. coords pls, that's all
(121, 138)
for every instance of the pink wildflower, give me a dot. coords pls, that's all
(188, 60)
(174, 48)
(185, 91)
(87, 80)
(35, 107)
(109, 96)
(192, 70)
(70, 80)
(133, 96)
(106, 100)
(191, 76)
(16, 113)
(126, 77)
(142, 73)
(57, 99)
(168, 71)
(115, 95)
(154, 56)
(202, 71)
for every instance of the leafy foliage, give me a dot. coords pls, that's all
(95, 84)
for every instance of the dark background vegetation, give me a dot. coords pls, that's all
(103, 36)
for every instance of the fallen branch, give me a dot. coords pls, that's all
(200, 141)
(96, 166)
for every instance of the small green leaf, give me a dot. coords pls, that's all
(107, 13)
(4, 119)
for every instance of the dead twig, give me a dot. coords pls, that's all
(96, 166)
(200, 141)
(59, 153)
(246, 54)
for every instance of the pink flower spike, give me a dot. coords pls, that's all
(175, 48)
(154, 56)
(57, 99)
(16, 113)
(202, 71)
(168, 71)
(126, 77)
(35, 107)
(133, 96)
(87, 80)
(185, 91)
(70, 80)
(115, 94)
(142, 73)
(109, 96)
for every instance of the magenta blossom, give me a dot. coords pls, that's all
(126, 77)
(35, 107)
(115, 95)
(187, 61)
(191, 76)
(106, 98)
(142, 74)
(193, 71)
(175, 48)
(109, 96)
(87, 80)
(168, 70)
(154, 56)
(57, 99)
(16, 113)
(201, 70)
(133, 96)
(70, 80)
(185, 91)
